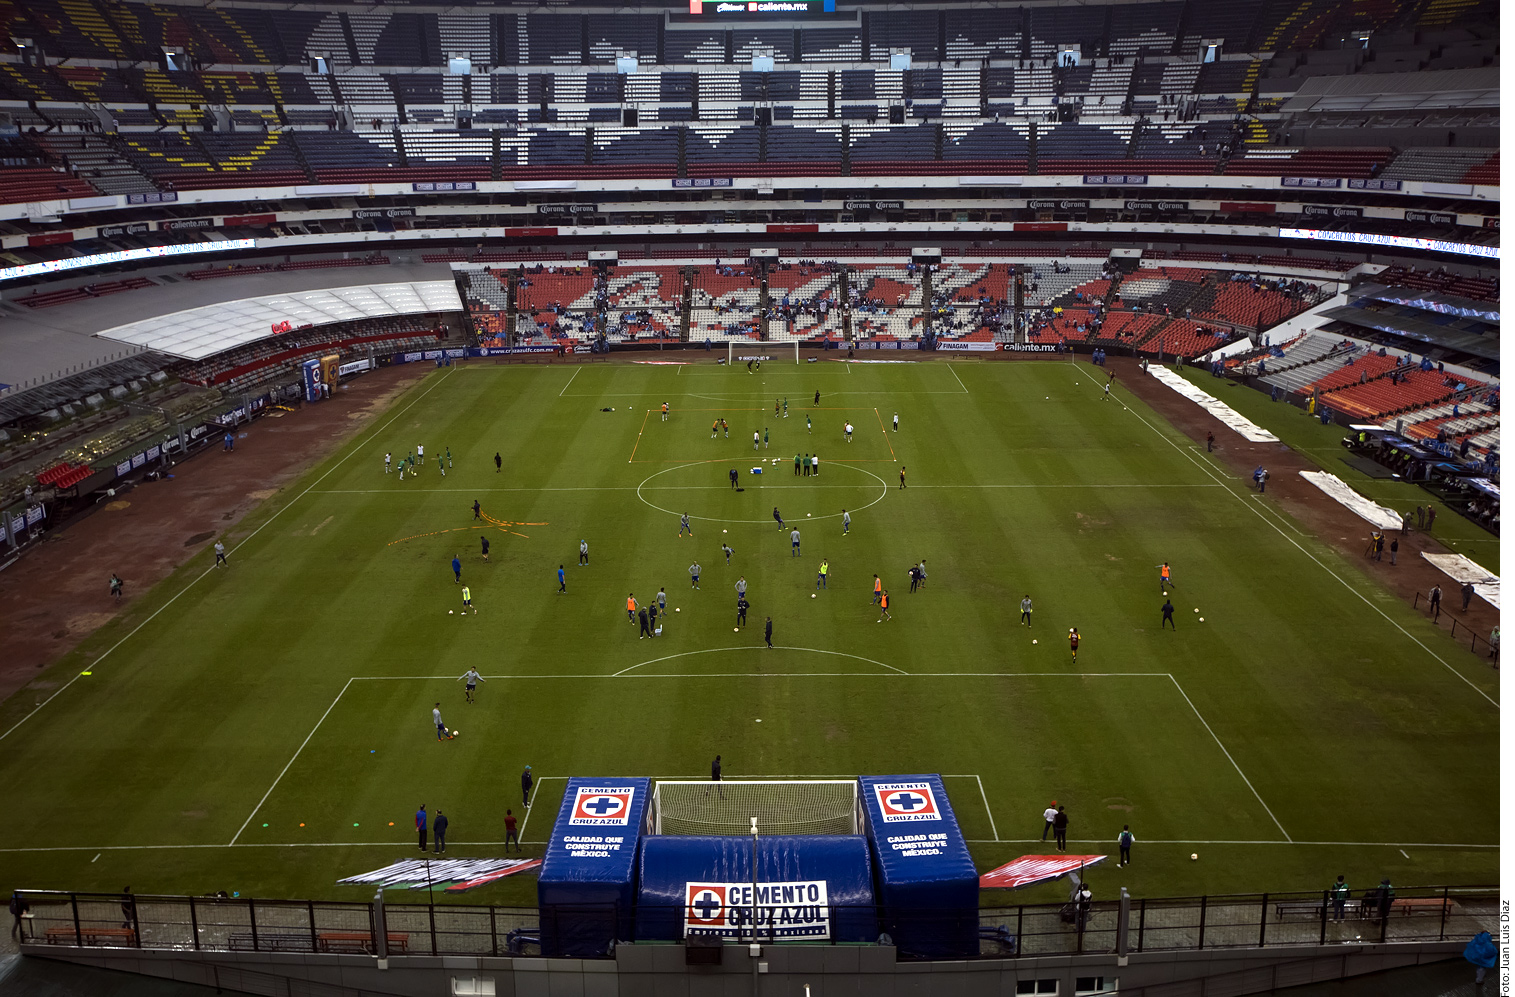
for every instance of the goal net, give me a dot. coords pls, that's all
(739, 351)
(819, 806)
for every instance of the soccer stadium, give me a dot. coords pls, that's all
(417, 576)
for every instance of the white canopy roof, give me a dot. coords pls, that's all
(196, 333)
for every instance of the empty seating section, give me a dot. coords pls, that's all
(1358, 163)
(544, 102)
(1243, 303)
(804, 302)
(100, 290)
(1445, 165)
(1415, 388)
(886, 302)
(723, 302)
(1441, 281)
(1077, 148)
(1048, 285)
(1161, 288)
(1181, 337)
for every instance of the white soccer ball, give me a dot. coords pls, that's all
(1201, 619)
(1048, 398)
(807, 515)
(449, 612)
(1194, 856)
(735, 629)
(454, 733)
(812, 595)
(1033, 640)
(723, 531)
(677, 609)
(1196, 609)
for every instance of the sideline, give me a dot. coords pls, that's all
(358, 445)
(1323, 566)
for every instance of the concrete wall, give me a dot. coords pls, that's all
(650, 970)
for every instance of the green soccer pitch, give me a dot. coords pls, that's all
(266, 727)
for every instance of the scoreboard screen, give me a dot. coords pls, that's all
(777, 8)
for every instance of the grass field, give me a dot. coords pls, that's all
(266, 727)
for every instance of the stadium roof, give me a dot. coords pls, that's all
(196, 333)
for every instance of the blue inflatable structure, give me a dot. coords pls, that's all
(586, 890)
(927, 884)
(812, 888)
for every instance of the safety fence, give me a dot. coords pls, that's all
(1124, 925)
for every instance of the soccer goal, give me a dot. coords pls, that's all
(807, 806)
(739, 351)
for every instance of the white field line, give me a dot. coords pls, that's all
(959, 380)
(289, 763)
(753, 647)
(1237, 767)
(985, 796)
(207, 571)
(1323, 566)
(570, 380)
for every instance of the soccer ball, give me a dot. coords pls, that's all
(1033, 640)
(454, 733)
(1194, 856)
(1201, 619)
(723, 531)
(677, 609)
(1196, 609)
(449, 612)
(735, 629)
(812, 595)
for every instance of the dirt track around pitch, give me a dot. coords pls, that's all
(1326, 519)
(58, 593)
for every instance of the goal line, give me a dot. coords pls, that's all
(727, 807)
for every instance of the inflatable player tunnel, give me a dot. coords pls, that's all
(815, 888)
(586, 890)
(926, 883)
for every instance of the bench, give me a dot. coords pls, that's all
(64, 934)
(1312, 908)
(360, 942)
(1421, 905)
(269, 941)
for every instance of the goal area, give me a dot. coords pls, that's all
(739, 351)
(798, 806)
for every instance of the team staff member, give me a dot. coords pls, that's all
(1049, 815)
(1168, 615)
(1060, 829)
(526, 786)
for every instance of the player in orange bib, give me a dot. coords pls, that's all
(665, 411)
(1165, 577)
(631, 607)
(878, 588)
(1073, 643)
(883, 607)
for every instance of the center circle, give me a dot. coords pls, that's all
(789, 491)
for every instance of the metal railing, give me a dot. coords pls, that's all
(1262, 920)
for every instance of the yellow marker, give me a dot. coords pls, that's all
(86, 673)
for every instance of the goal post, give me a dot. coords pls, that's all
(738, 351)
(788, 807)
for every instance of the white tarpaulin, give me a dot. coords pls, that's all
(1384, 519)
(1485, 583)
(1250, 431)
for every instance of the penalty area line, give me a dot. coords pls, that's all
(291, 761)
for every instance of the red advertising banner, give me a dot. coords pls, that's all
(1029, 870)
